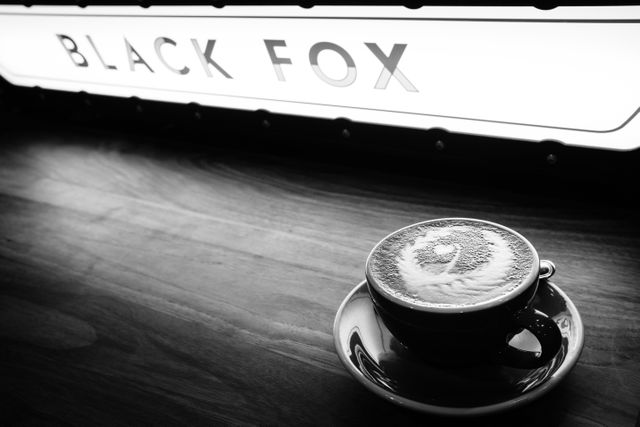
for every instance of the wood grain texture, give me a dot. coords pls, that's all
(149, 283)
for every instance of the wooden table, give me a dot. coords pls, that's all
(146, 282)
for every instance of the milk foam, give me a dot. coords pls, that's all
(451, 263)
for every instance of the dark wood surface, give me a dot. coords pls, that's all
(148, 283)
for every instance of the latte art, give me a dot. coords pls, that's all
(453, 278)
(451, 263)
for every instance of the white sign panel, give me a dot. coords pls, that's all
(569, 74)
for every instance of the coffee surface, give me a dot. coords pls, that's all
(451, 263)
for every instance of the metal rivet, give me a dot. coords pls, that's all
(138, 108)
(552, 159)
(197, 115)
(346, 133)
(266, 124)
(439, 145)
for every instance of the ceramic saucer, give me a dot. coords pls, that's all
(384, 366)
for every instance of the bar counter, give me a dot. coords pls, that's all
(147, 282)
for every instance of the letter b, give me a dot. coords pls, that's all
(72, 49)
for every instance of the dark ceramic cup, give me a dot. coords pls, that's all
(470, 333)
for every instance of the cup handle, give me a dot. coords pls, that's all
(546, 332)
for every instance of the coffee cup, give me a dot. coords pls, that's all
(456, 290)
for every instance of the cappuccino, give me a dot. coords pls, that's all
(451, 263)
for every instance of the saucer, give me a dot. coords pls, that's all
(377, 360)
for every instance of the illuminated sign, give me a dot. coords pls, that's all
(568, 74)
